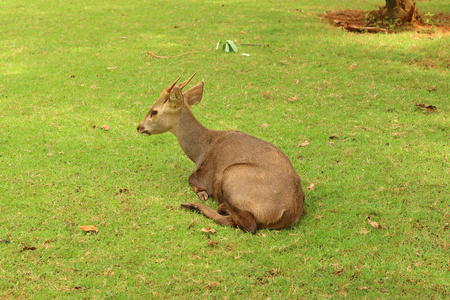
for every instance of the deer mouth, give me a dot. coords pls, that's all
(146, 133)
(142, 131)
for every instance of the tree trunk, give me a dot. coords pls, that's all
(398, 11)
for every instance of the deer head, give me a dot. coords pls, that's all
(163, 115)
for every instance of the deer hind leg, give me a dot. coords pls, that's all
(244, 219)
(210, 213)
(223, 209)
(226, 215)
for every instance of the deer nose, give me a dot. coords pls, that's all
(138, 128)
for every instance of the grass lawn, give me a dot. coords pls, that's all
(67, 68)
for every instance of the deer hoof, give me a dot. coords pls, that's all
(202, 195)
(189, 205)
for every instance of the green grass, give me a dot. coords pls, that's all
(67, 68)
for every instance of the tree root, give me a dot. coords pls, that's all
(357, 28)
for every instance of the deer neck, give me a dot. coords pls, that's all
(192, 136)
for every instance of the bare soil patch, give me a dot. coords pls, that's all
(360, 21)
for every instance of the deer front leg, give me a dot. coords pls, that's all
(203, 195)
(196, 182)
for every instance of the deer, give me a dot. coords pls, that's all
(252, 180)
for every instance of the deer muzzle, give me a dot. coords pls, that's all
(141, 130)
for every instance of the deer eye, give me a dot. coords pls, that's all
(153, 112)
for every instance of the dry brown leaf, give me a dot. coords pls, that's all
(212, 285)
(89, 228)
(266, 94)
(208, 230)
(265, 125)
(374, 224)
(293, 99)
(427, 107)
(363, 231)
(105, 127)
(311, 187)
(26, 248)
(304, 144)
(338, 272)
(446, 158)
(212, 242)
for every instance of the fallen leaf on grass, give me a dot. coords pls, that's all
(123, 191)
(105, 127)
(311, 187)
(293, 99)
(374, 224)
(445, 157)
(427, 107)
(212, 285)
(432, 88)
(363, 231)
(212, 242)
(265, 125)
(266, 94)
(26, 248)
(304, 144)
(89, 228)
(208, 230)
(338, 272)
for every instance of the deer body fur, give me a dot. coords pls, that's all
(253, 181)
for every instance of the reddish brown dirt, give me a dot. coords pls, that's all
(356, 21)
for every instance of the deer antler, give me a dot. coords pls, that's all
(172, 85)
(183, 84)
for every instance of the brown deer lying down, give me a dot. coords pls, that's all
(253, 181)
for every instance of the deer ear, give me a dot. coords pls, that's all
(194, 94)
(175, 98)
